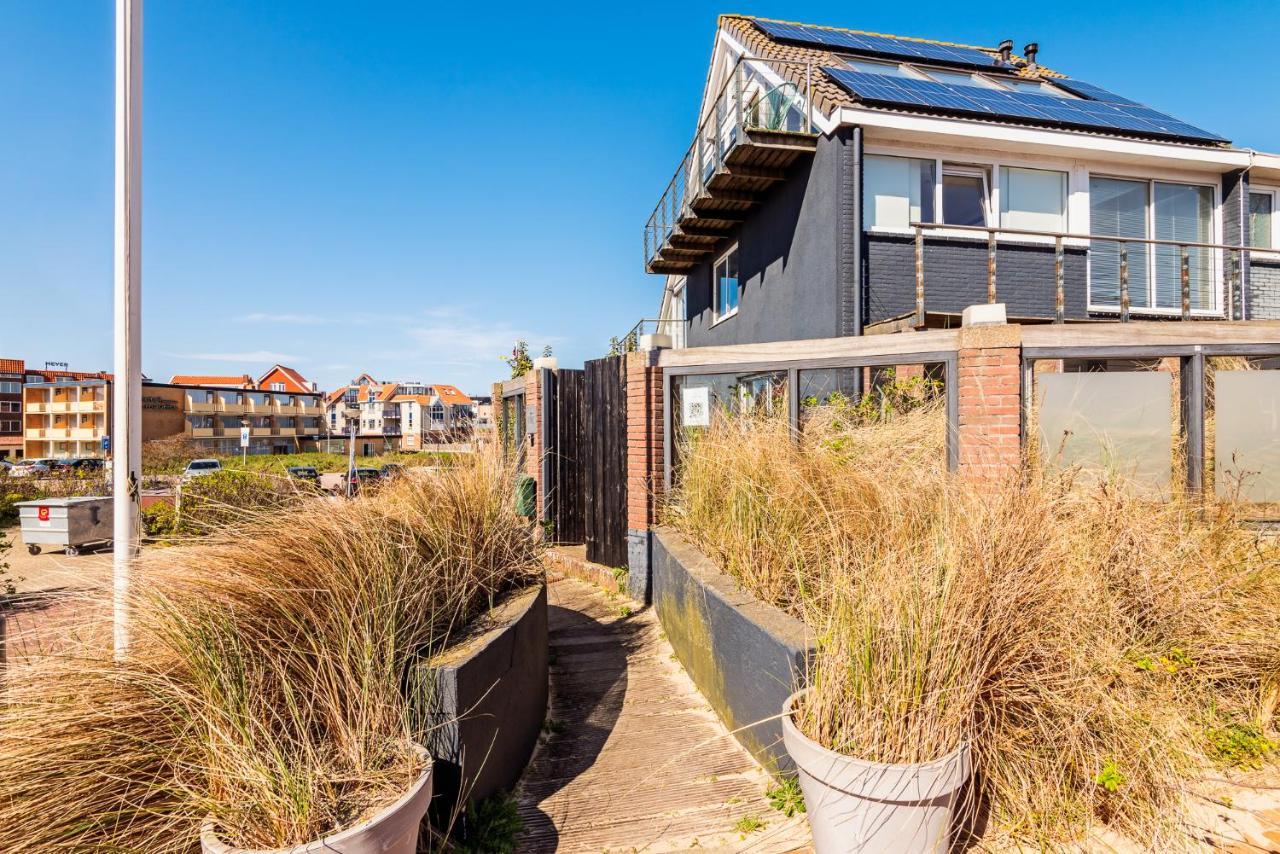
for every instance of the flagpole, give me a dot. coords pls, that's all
(126, 404)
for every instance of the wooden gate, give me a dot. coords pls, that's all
(604, 457)
(568, 491)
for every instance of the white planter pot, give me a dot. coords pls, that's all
(394, 830)
(855, 805)
(549, 363)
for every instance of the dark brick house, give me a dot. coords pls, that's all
(11, 371)
(846, 183)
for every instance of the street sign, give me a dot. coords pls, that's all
(244, 437)
(106, 443)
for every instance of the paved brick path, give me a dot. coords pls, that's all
(635, 759)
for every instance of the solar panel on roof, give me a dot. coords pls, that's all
(1120, 115)
(1096, 93)
(877, 45)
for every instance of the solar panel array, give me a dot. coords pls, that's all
(1117, 115)
(878, 45)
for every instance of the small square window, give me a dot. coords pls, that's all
(964, 197)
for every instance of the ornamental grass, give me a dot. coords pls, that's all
(277, 672)
(1097, 649)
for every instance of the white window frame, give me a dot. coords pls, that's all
(1271, 252)
(716, 316)
(962, 170)
(1002, 189)
(959, 159)
(1215, 236)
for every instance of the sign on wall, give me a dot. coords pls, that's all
(695, 407)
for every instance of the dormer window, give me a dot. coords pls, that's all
(888, 69)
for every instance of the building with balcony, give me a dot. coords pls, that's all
(11, 381)
(213, 416)
(397, 416)
(845, 183)
(66, 419)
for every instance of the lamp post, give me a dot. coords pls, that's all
(126, 428)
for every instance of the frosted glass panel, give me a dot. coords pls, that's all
(1033, 199)
(1119, 423)
(1246, 448)
(897, 191)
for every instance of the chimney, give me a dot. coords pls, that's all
(1006, 51)
(1030, 52)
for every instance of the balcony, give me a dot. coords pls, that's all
(262, 431)
(1055, 276)
(36, 408)
(759, 125)
(206, 432)
(205, 406)
(286, 431)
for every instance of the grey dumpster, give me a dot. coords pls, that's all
(68, 522)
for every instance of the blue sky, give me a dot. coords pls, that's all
(403, 188)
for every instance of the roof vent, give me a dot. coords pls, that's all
(1030, 52)
(1006, 51)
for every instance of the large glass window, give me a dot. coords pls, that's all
(1118, 208)
(1261, 212)
(727, 288)
(964, 196)
(897, 191)
(1184, 213)
(1033, 199)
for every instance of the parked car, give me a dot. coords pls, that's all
(307, 473)
(199, 468)
(79, 466)
(392, 470)
(32, 468)
(364, 477)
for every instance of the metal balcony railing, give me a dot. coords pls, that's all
(1213, 269)
(757, 95)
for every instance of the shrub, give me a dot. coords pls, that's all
(275, 674)
(1092, 646)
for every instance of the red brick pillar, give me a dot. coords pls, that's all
(644, 464)
(990, 412)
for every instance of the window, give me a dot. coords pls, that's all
(437, 412)
(1033, 199)
(1165, 211)
(957, 78)
(888, 69)
(1033, 87)
(897, 191)
(10, 388)
(964, 196)
(277, 386)
(1261, 217)
(727, 290)
(10, 406)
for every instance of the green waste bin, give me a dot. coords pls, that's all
(526, 496)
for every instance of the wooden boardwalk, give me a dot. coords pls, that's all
(634, 758)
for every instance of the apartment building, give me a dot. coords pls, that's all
(66, 419)
(11, 408)
(279, 422)
(397, 416)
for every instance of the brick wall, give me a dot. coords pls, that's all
(1264, 291)
(644, 466)
(989, 420)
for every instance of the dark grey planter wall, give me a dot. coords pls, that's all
(746, 657)
(787, 256)
(489, 706)
(1264, 291)
(955, 276)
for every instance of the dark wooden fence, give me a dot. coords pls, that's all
(565, 445)
(604, 447)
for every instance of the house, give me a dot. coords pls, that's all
(848, 183)
(11, 373)
(397, 416)
(283, 378)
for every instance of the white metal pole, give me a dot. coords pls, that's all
(126, 410)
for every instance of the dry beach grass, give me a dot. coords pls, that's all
(1097, 650)
(274, 677)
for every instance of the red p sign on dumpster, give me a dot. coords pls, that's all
(42, 513)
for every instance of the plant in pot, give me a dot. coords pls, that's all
(881, 735)
(267, 700)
